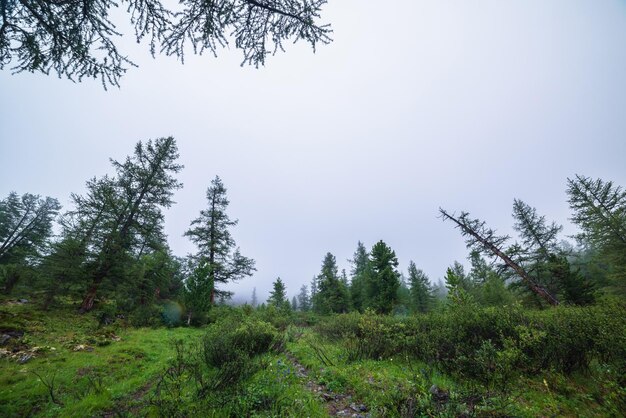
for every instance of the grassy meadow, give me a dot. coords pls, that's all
(268, 363)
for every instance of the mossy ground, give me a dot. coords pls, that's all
(88, 368)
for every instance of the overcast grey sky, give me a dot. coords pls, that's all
(415, 105)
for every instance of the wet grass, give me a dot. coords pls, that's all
(79, 368)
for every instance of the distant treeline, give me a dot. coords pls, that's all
(111, 250)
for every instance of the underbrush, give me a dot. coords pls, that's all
(237, 369)
(463, 360)
(492, 351)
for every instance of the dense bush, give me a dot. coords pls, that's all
(563, 339)
(250, 336)
(489, 345)
(213, 370)
(366, 336)
(573, 336)
(280, 318)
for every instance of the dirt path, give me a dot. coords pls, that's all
(337, 404)
(132, 404)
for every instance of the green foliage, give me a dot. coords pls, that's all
(120, 219)
(304, 299)
(198, 291)
(279, 318)
(93, 369)
(229, 347)
(148, 315)
(462, 360)
(332, 292)
(42, 36)
(383, 283)
(420, 290)
(375, 337)
(360, 272)
(278, 296)
(461, 339)
(216, 247)
(231, 352)
(25, 230)
(599, 209)
(457, 285)
(493, 292)
(573, 287)
(25, 226)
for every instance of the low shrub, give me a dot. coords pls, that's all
(489, 345)
(250, 336)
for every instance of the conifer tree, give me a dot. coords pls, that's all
(541, 255)
(383, 283)
(155, 275)
(78, 39)
(304, 301)
(25, 226)
(198, 292)
(254, 301)
(599, 209)
(294, 304)
(359, 273)
(313, 295)
(121, 218)
(483, 239)
(25, 231)
(574, 288)
(403, 300)
(332, 294)
(480, 269)
(455, 279)
(486, 285)
(216, 247)
(278, 296)
(420, 289)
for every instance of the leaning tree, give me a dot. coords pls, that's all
(481, 238)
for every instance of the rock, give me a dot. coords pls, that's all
(83, 347)
(23, 301)
(26, 357)
(438, 394)
(4, 339)
(358, 408)
(328, 397)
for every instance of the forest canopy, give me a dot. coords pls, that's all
(81, 39)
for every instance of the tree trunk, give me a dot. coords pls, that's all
(89, 298)
(12, 278)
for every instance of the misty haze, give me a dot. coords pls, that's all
(299, 208)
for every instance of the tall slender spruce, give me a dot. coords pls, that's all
(216, 247)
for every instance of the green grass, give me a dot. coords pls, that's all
(389, 387)
(119, 371)
(121, 361)
(400, 386)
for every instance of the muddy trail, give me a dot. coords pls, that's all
(337, 404)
